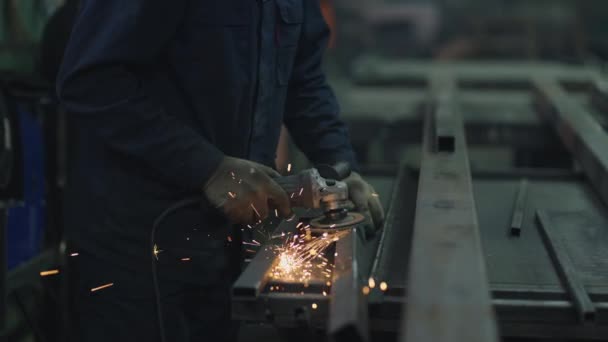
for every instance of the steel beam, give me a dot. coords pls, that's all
(448, 296)
(582, 135)
(565, 269)
(348, 320)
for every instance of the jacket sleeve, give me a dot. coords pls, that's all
(312, 111)
(113, 47)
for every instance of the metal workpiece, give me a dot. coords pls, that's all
(348, 318)
(447, 284)
(565, 268)
(254, 277)
(582, 135)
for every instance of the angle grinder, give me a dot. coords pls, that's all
(322, 188)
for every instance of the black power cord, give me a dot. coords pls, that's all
(185, 203)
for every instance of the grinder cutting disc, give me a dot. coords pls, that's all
(349, 220)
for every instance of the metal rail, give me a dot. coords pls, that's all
(582, 135)
(348, 320)
(565, 268)
(448, 297)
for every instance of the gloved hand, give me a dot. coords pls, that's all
(365, 198)
(245, 191)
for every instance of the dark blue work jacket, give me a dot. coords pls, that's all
(160, 90)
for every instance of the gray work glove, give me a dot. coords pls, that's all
(365, 198)
(245, 191)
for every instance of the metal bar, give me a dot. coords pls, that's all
(254, 277)
(519, 209)
(565, 269)
(448, 294)
(388, 226)
(599, 94)
(579, 131)
(348, 319)
(443, 116)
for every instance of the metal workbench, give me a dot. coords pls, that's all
(476, 246)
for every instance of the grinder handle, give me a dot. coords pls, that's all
(337, 171)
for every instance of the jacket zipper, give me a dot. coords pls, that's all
(256, 90)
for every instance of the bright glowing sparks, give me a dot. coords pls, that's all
(383, 286)
(186, 259)
(254, 209)
(102, 287)
(156, 251)
(289, 167)
(231, 194)
(365, 290)
(300, 255)
(314, 306)
(49, 273)
(371, 283)
(74, 254)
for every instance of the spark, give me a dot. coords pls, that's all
(231, 194)
(324, 294)
(229, 238)
(383, 286)
(102, 287)
(371, 282)
(254, 209)
(289, 167)
(314, 306)
(332, 226)
(48, 273)
(375, 194)
(186, 259)
(301, 191)
(156, 251)
(74, 254)
(299, 255)
(276, 212)
(233, 175)
(328, 283)
(365, 290)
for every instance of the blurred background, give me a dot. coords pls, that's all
(371, 41)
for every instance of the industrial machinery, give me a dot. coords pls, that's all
(496, 181)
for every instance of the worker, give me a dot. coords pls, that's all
(173, 99)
